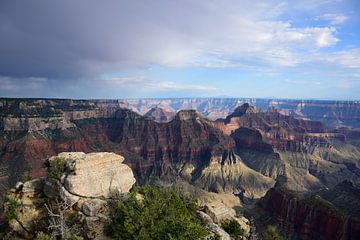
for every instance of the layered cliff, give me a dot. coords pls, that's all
(186, 147)
(159, 115)
(308, 153)
(242, 153)
(333, 113)
(329, 214)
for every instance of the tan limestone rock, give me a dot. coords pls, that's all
(96, 174)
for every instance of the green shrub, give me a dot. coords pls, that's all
(160, 214)
(233, 228)
(44, 236)
(26, 176)
(75, 237)
(12, 206)
(71, 217)
(271, 233)
(214, 237)
(57, 168)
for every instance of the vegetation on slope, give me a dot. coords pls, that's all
(271, 233)
(156, 213)
(233, 228)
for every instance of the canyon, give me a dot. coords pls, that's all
(245, 151)
(326, 214)
(332, 113)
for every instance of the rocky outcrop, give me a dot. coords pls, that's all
(308, 153)
(77, 184)
(333, 113)
(327, 214)
(159, 115)
(244, 152)
(215, 213)
(95, 175)
(230, 174)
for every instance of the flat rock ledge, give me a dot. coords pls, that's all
(95, 175)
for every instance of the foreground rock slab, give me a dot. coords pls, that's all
(96, 174)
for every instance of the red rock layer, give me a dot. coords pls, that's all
(284, 133)
(309, 217)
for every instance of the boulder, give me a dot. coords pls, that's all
(93, 207)
(213, 227)
(33, 186)
(18, 186)
(96, 175)
(218, 211)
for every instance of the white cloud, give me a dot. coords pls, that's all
(128, 34)
(302, 82)
(334, 19)
(18, 84)
(346, 58)
(180, 86)
(147, 83)
(125, 35)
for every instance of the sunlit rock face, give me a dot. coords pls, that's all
(242, 153)
(332, 113)
(95, 175)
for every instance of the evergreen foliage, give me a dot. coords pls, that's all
(44, 236)
(26, 176)
(233, 228)
(159, 214)
(271, 233)
(12, 206)
(57, 168)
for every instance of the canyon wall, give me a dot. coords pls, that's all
(331, 214)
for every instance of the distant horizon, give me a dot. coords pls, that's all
(165, 98)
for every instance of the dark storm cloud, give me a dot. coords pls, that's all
(67, 39)
(58, 39)
(82, 45)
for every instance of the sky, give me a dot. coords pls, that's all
(302, 49)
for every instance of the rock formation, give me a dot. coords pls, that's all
(244, 152)
(188, 147)
(308, 153)
(95, 175)
(78, 193)
(159, 115)
(333, 113)
(327, 214)
(82, 182)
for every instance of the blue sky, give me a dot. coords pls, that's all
(131, 49)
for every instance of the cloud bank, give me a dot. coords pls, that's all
(46, 44)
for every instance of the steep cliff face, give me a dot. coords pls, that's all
(327, 214)
(245, 151)
(308, 153)
(159, 115)
(185, 147)
(333, 113)
(283, 132)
